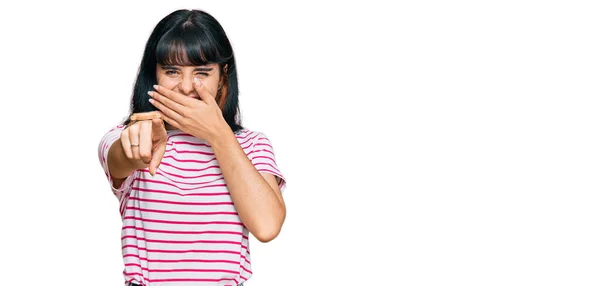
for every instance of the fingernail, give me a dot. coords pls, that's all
(197, 81)
(155, 86)
(151, 100)
(150, 93)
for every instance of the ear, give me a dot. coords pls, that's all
(223, 77)
(221, 96)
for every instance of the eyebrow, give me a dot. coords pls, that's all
(196, 69)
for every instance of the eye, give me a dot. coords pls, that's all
(171, 72)
(202, 74)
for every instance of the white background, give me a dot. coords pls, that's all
(434, 143)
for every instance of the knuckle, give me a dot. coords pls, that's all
(134, 127)
(145, 154)
(146, 126)
(157, 121)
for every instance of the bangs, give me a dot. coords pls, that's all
(188, 45)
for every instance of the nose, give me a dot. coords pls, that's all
(186, 86)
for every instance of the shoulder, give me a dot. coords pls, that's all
(112, 131)
(251, 138)
(111, 134)
(116, 128)
(247, 133)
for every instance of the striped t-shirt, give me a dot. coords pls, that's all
(180, 227)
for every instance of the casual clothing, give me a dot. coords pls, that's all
(180, 227)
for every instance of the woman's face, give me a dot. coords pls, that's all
(181, 78)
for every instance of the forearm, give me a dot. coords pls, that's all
(259, 208)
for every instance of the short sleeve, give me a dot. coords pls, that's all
(107, 140)
(263, 159)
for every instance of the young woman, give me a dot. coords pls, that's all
(192, 183)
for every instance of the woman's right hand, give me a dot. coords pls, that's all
(151, 138)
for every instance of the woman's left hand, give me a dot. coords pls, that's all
(201, 118)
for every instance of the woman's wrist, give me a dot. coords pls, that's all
(222, 132)
(119, 165)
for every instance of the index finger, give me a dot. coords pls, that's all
(202, 92)
(174, 96)
(144, 116)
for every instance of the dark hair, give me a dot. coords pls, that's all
(188, 38)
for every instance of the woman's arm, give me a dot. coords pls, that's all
(119, 165)
(256, 196)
